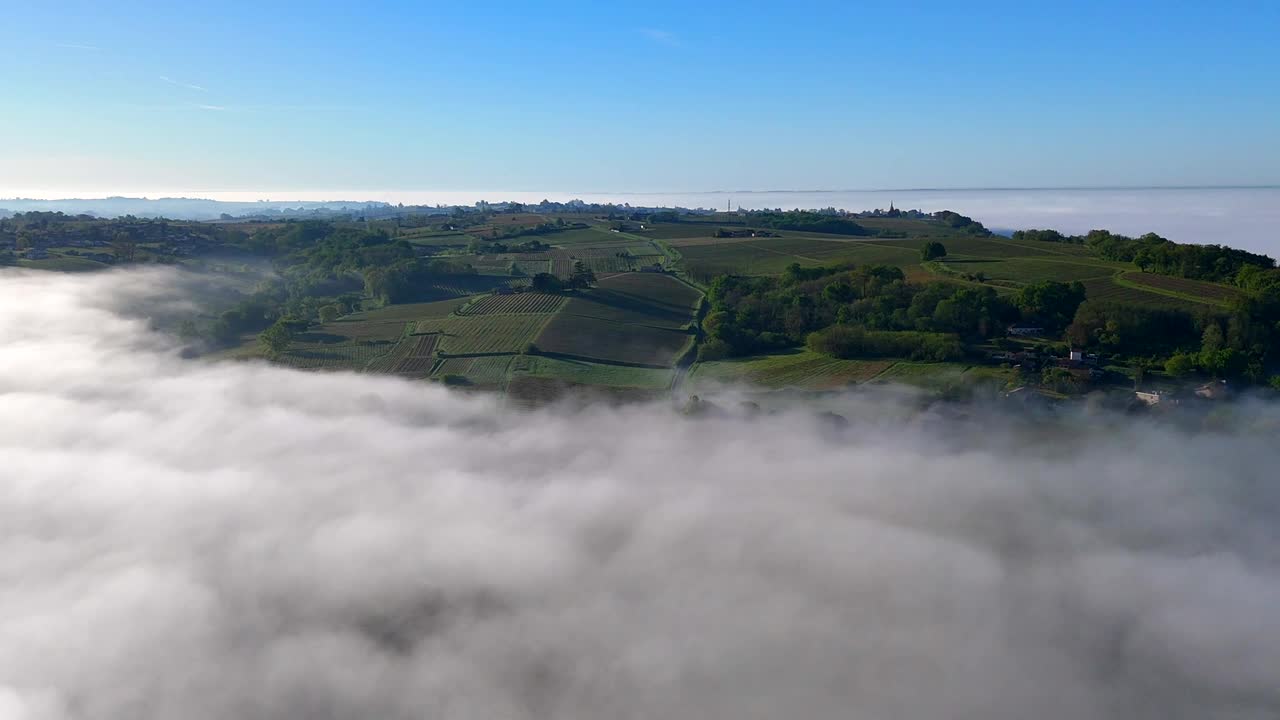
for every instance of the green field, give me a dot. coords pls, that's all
(770, 256)
(483, 334)
(1026, 270)
(1183, 288)
(589, 373)
(63, 264)
(798, 368)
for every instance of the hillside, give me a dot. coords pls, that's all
(535, 305)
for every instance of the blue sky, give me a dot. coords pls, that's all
(653, 96)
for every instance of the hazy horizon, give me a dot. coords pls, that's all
(1244, 217)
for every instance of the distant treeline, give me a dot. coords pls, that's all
(808, 221)
(1152, 253)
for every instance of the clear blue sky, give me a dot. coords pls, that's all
(650, 96)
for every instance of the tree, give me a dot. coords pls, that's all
(1180, 365)
(932, 250)
(582, 276)
(276, 338)
(546, 283)
(124, 247)
(1052, 305)
(330, 312)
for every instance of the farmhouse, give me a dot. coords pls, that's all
(1156, 397)
(1218, 390)
(1025, 330)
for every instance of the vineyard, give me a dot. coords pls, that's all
(1212, 292)
(420, 357)
(652, 299)
(480, 334)
(611, 341)
(802, 369)
(515, 304)
(1107, 290)
(332, 357)
(488, 371)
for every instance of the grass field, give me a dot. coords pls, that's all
(799, 369)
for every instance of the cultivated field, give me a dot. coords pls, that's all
(484, 372)
(484, 334)
(799, 369)
(595, 339)
(588, 373)
(772, 255)
(1183, 287)
(1107, 289)
(521, 303)
(1032, 270)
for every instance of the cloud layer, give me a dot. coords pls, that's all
(196, 540)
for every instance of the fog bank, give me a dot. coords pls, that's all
(191, 540)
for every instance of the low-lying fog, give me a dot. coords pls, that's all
(181, 539)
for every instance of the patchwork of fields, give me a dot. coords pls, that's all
(623, 338)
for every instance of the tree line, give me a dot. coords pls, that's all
(1153, 253)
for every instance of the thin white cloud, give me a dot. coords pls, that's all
(660, 36)
(218, 108)
(181, 84)
(77, 46)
